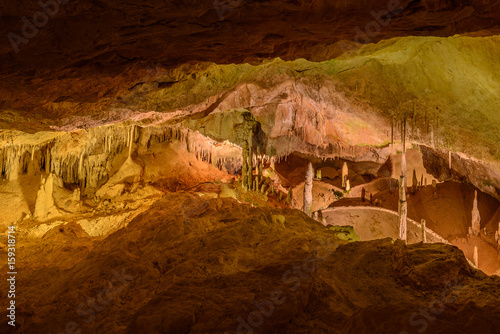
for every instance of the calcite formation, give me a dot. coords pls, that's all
(476, 257)
(308, 187)
(45, 207)
(403, 205)
(476, 218)
(345, 172)
(180, 173)
(424, 235)
(498, 234)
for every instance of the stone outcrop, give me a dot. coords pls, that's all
(483, 175)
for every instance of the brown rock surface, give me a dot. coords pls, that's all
(196, 266)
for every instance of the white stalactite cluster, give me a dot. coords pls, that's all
(85, 157)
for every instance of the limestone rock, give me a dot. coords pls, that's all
(476, 218)
(345, 172)
(476, 257)
(129, 172)
(329, 172)
(308, 187)
(45, 207)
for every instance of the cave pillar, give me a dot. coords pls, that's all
(308, 189)
(250, 163)
(244, 167)
(403, 205)
(403, 211)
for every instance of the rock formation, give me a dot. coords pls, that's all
(414, 185)
(45, 207)
(97, 142)
(403, 209)
(498, 232)
(245, 166)
(424, 236)
(476, 257)
(345, 172)
(476, 218)
(308, 189)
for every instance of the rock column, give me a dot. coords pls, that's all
(476, 218)
(345, 172)
(403, 206)
(308, 190)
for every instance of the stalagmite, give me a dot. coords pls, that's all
(130, 140)
(476, 257)
(318, 174)
(449, 160)
(432, 136)
(392, 130)
(308, 189)
(363, 194)
(250, 162)
(45, 207)
(76, 195)
(403, 209)
(414, 182)
(345, 172)
(244, 167)
(498, 234)
(476, 218)
(347, 185)
(424, 236)
(289, 196)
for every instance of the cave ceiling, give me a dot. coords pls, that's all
(87, 51)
